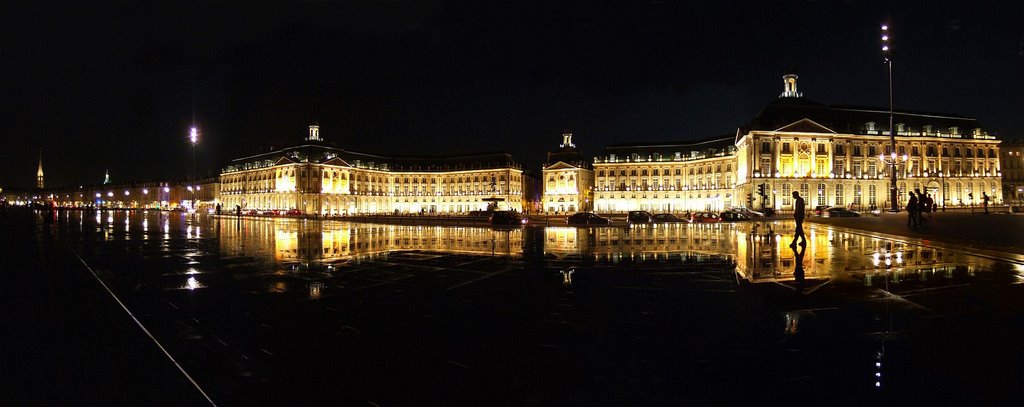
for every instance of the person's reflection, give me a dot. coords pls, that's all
(798, 267)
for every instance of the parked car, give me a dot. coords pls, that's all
(294, 212)
(667, 218)
(732, 216)
(252, 212)
(587, 218)
(638, 217)
(840, 213)
(507, 218)
(820, 209)
(705, 217)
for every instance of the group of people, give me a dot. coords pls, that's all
(918, 205)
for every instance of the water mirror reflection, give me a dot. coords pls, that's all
(672, 305)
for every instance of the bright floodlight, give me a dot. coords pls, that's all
(885, 38)
(194, 135)
(885, 27)
(885, 48)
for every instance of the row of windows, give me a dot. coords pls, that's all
(666, 171)
(873, 150)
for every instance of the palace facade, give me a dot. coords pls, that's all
(832, 155)
(319, 179)
(568, 179)
(666, 177)
(1011, 162)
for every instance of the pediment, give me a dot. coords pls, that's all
(561, 165)
(805, 126)
(337, 162)
(284, 161)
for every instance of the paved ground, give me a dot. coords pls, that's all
(997, 232)
(65, 341)
(300, 312)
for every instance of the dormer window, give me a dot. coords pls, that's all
(870, 127)
(900, 128)
(928, 130)
(954, 130)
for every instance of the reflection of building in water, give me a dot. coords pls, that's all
(289, 240)
(767, 257)
(647, 241)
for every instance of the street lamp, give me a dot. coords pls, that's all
(887, 53)
(193, 137)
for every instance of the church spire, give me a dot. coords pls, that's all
(106, 178)
(39, 173)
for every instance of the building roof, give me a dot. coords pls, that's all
(313, 152)
(688, 149)
(855, 119)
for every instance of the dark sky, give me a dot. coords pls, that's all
(97, 85)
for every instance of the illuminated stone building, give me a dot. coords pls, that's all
(836, 155)
(568, 179)
(666, 177)
(1011, 162)
(316, 178)
(833, 155)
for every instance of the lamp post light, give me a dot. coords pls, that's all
(887, 53)
(193, 136)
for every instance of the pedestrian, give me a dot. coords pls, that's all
(798, 215)
(911, 209)
(984, 201)
(921, 201)
(927, 205)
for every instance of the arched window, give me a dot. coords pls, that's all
(786, 194)
(856, 194)
(839, 195)
(872, 198)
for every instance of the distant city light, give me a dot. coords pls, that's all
(194, 135)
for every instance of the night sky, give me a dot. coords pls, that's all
(97, 85)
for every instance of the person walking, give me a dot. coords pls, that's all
(911, 210)
(926, 206)
(798, 215)
(984, 201)
(921, 199)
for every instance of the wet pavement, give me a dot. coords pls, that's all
(291, 311)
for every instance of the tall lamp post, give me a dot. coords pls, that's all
(193, 137)
(887, 53)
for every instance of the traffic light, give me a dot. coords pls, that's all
(760, 189)
(750, 200)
